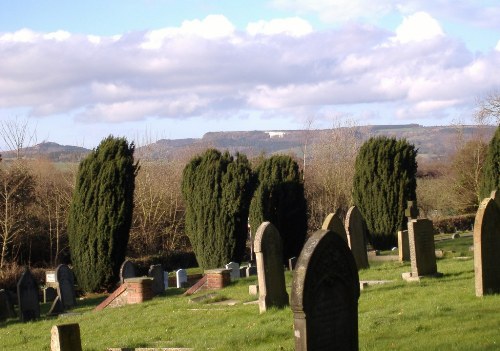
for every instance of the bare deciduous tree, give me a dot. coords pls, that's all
(17, 135)
(488, 109)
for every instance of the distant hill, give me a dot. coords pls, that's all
(436, 142)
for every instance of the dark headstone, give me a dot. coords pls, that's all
(127, 270)
(271, 273)
(156, 272)
(66, 286)
(6, 306)
(65, 337)
(487, 246)
(356, 233)
(325, 293)
(27, 295)
(49, 294)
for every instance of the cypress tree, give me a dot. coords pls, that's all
(384, 180)
(490, 179)
(216, 188)
(279, 199)
(101, 213)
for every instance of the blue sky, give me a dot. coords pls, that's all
(149, 69)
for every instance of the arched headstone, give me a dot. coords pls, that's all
(325, 293)
(66, 286)
(356, 233)
(127, 270)
(27, 295)
(334, 223)
(270, 270)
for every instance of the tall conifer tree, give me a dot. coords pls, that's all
(384, 180)
(101, 213)
(279, 199)
(491, 172)
(217, 188)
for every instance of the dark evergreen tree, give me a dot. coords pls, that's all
(217, 188)
(279, 199)
(101, 213)
(491, 171)
(384, 180)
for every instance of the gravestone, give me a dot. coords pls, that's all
(127, 270)
(49, 294)
(251, 270)
(27, 296)
(356, 233)
(487, 246)
(334, 223)
(235, 270)
(270, 270)
(165, 279)
(65, 337)
(6, 306)
(411, 211)
(182, 278)
(325, 293)
(66, 286)
(422, 250)
(403, 246)
(291, 263)
(156, 272)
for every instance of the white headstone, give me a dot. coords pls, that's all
(182, 277)
(235, 270)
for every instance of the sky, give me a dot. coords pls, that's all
(78, 71)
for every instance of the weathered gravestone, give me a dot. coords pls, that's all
(270, 270)
(334, 223)
(403, 246)
(325, 293)
(235, 270)
(156, 272)
(422, 250)
(6, 306)
(182, 278)
(66, 286)
(127, 270)
(65, 337)
(487, 246)
(27, 295)
(356, 233)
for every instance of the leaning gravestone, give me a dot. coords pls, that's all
(422, 250)
(356, 233)
(270, 270)
(182, 278)
(334, 223)
(235, 270)
(487, 246)
(325, 293)
(6, 306)
(156, 272)
(127, 270)
(27, 295)
(66, 286)
(403, 246)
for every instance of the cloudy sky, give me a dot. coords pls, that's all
(148, 69)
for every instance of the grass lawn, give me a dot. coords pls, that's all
(435, 314)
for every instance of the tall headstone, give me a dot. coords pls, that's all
(334, 223)
(156, 272)
(356, 234)
(422, 249)
(270, 270)
(182, 278)
(487, 246)
(6, 306)
(403, 246)
(27, 295)
(65, 337)
(235, 270)
(325, 293)
(127, 270)
(66, 285)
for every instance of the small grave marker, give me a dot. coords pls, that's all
(65, 337)
(181, 276)
(235, 270)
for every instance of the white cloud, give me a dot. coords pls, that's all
(417, 27)
(295, 27)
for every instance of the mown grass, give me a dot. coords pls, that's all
(433, 314)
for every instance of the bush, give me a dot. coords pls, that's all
(454, 223)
